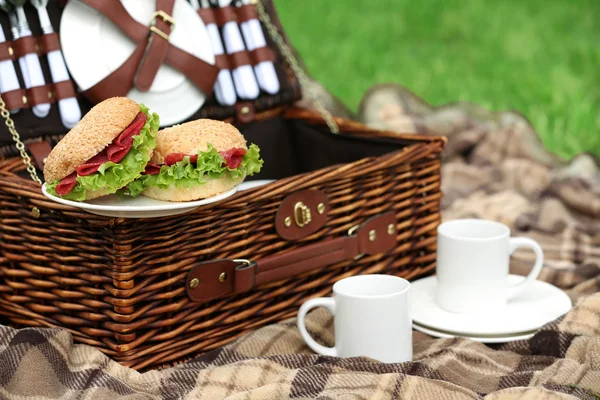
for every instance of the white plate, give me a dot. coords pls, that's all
(488, 339)
(138, 207)
(529, 311)
(246, 185)
(94, 47)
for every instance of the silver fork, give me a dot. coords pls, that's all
(70, 113)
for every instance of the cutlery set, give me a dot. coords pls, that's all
(235, 82)
(245, 81)
(29, 64)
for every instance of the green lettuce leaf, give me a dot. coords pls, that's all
(111, 177)
(209, 166)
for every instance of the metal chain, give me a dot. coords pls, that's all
(298, 71)
(20, 146)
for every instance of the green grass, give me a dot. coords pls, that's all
(539, 57)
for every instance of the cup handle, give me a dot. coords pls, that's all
(514, 244)
(329, 304)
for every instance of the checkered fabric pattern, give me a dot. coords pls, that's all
(494, 168)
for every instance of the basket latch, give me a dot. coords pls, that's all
(301, 214)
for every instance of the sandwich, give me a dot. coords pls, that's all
(196, 160)
(107, 149)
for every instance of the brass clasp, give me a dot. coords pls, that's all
(302, 214)
(165, 17)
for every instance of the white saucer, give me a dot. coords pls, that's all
(536, 306)
(138, 207)
(484, 339)
(93, 47)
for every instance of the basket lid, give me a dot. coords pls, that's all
(247, 14)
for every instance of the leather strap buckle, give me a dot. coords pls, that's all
(166, 18)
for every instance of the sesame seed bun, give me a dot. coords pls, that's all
(96, 130)
(190, 138)
(211, 188)
(194, 136)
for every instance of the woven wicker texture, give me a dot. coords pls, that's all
(119, 284)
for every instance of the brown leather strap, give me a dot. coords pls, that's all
(156, 51)
(116, 12)
(119, 82)
(14, 99)
(40, 151)
(214, 279)
(29, 44)
(262, 54)
(224, 15)
(188, 65)
(239, 58)
(222, 61)
(295, 262)
(246, 13)
(6, 50)
(64, 90)
(48, 42)
(202, 74)
(39, 95)
(24, 45)
(48, 93)
(207, 16)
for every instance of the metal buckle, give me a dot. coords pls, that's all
(350, 233)
(165, 17)
(353, 229)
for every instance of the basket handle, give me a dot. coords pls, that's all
(213, 279)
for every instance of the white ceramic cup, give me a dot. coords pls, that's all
(473, 266)
(371, 318)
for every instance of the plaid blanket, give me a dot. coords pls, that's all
(495, 167)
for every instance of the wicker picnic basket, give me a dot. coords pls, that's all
(154, 291)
